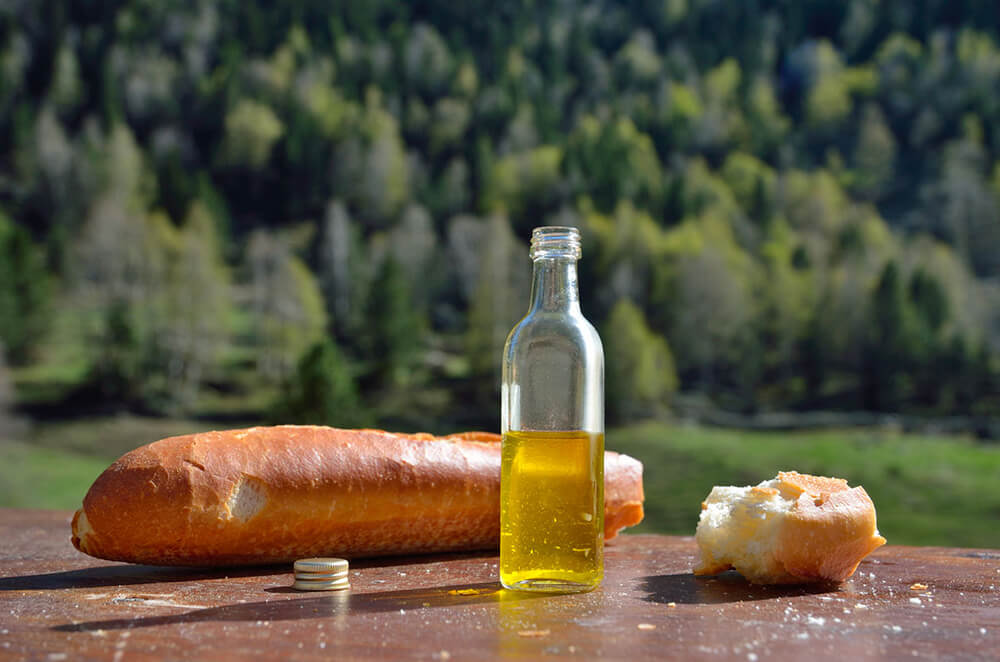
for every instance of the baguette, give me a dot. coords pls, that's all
(793, 529)
(276, 494)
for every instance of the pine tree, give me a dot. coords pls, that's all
(195, 327)
(639, 367)
(288, 311)
(6, 397)
(24, 292)
(395, 327)
(888, 345)
(500, 297)
(322, 391)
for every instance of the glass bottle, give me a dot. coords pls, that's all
(552, 419)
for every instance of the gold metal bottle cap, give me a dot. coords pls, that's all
(324, 565)
(321, 574)
(313, 585)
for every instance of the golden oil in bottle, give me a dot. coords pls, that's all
(552, 510)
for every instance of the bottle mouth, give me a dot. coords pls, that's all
(555, 241)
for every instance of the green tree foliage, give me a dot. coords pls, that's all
(615, 162)
(395, 327)
(639, 369)
(120, 266)
(888, 344)
(198, 308)
(6, 397)
(24, 292)
(499, 299)
(342, 271)
(252, 129)
(742, 174)
(370, 169)
(286, 302)
(874, 154)
(525, 183)
(322, 391)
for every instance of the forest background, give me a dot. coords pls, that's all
(220, 212)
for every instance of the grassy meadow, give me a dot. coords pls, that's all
(928, 490)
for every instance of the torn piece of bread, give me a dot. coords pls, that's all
(793, 529)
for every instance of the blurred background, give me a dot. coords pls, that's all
(220, 213)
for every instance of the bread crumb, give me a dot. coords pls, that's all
(534, 633)
(672, 605)
(918, 587)
(646, 626)
(915, 601)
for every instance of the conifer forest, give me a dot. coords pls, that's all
(319, 212)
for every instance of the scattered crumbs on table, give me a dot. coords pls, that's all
(815, 620)
(752, 657)
(982, 630)
(672, 605)
(861, 606)
(919, 586)
(534, 633)
(646, 626)
(915, 601)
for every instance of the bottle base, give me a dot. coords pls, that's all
(541, 585)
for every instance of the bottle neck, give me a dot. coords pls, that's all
(554, 285)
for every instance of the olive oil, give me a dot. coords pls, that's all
(552, 510)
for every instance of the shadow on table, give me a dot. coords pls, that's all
(131, 574)
(685, 588)
(125, 575)
(340, 603)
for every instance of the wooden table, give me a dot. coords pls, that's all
(57, 604)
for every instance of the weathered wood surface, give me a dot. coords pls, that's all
(56, 603)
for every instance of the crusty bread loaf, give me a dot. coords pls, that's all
(275, 494)
(793, 529)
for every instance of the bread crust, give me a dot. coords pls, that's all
(825, 537)
(828, 530)
(275, 494)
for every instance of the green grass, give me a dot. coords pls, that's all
(34, 477)
(53, 464)
(927, 490)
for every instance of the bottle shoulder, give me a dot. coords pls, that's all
(546, 329)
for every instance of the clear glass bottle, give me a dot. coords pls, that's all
(552, 419)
